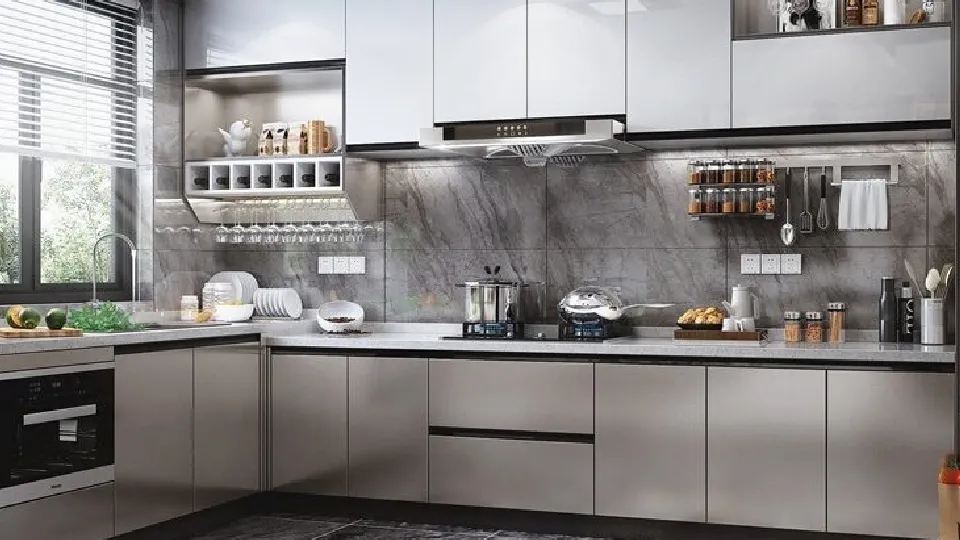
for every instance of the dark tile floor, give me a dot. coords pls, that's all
(292, 527)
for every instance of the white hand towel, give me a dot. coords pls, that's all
(878, 201)
(844, 221)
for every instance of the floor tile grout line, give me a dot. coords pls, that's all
(328, 533)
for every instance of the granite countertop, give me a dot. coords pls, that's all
(626, 347)
(89, 340)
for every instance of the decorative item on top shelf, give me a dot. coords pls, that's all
(306, 137)
(235, 141)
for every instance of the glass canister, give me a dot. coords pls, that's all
(745, 202)
(729, 172)
(728, 201)
(771, 200)
(813, 332)
(760, 201)
(713, 172)
(710, 202)
(792, 327)
(765, 171)
(697, 172)
(694, 205)
(837, 319)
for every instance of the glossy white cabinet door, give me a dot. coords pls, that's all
(844, 78)
(678, 66)
(577, 60)
(480, 60)
(389, 70)
(221, 33)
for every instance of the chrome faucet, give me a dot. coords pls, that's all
(133, 265)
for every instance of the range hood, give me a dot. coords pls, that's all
(564, 141)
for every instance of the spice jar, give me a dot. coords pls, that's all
(814, 329)
(765, 171)
(697, 172)
(728, 203)
(728, 172)
(713, 172)
(792, 327)
(837, 318)
(745, 203)
(693, 206)
(189, 307)
(747, 171)
(710, 202)
(760, 204)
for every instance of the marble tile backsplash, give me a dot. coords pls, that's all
(617, 221)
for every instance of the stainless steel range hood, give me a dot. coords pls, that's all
(565, 141)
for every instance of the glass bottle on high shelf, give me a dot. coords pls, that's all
(852, 13)
(870, 12)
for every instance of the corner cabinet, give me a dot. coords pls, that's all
(480, 60)
(855, 77)
(678, 74)
(583, 80)
(389, 86)
(226, 33)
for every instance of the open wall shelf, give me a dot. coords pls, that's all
(256, 177)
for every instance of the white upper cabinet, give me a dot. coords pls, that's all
(856, 77)
(577, 63)
(224, 33)
(678, 70)
(389, 88)
(480, 60)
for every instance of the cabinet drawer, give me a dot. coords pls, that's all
(512, 395)
(526, 475)
(79, 515)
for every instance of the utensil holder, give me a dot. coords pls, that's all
(932, 330)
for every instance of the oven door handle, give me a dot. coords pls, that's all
(69, 413)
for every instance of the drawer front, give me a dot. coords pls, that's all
(512, 395)
(79, 515)
(526, 475)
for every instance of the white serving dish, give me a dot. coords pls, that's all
(228, 313)
(340, 308)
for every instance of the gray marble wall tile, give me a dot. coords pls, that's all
(624, 204)
(182, 272)
(421, 284)
(166, 35)
(167, 123)
(466, 207)
(682, 276)
(167, 181)
(942, 189)
(832, 274)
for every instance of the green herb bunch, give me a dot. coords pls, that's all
(101, 317)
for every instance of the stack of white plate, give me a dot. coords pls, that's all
(243, 282)
(278, 303)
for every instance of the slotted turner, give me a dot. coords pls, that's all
(806, 218)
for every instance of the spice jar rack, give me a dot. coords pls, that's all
(732, 188)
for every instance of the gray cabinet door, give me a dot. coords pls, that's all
(480, 60)
(651, 442)
(390, 70)
(582, 80)
(388, 428)
(224, 33)
(886, 433)
(678, 74)
(309, 424)
(226, 423)
(766, 446)
(79, 515)
(154, 438)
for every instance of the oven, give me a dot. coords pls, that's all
(56, 430)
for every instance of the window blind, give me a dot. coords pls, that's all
(68, 79)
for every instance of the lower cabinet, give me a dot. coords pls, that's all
(886, 434)
(309, 424)
(154, 437)
(520, 474)
(651, 441)
(766, 447)
(388, 428)
(226, 426)
(86, 514)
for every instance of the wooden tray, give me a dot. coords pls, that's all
(717, 335)
(39, 333)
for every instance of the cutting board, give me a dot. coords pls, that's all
(717, 335)
(39, 333)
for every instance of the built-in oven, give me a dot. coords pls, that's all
(56, 430)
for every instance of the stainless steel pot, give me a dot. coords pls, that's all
(492, 300)
(588, 303)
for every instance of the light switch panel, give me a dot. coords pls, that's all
(770, 263)
(325, 266)
(749, 264)
(790, 264)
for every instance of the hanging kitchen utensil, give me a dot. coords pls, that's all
(786, 230)
(945, 277)
(823, 214)
(806, 218)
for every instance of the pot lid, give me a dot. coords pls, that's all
(493, 278)
(591, 297)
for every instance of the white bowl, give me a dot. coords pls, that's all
(227, 313)
(340, 308)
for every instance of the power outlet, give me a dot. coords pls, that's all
(358, 265)
(749, 264)
(791, 264)
(341, 265)
(770, 263)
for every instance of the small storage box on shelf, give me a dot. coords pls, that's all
(732, 188)
(275, 176)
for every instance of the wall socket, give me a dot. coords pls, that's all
(341, 265)
(770, 263)
(790, 263)
(749, 264)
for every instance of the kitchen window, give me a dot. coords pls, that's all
(71, 83)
